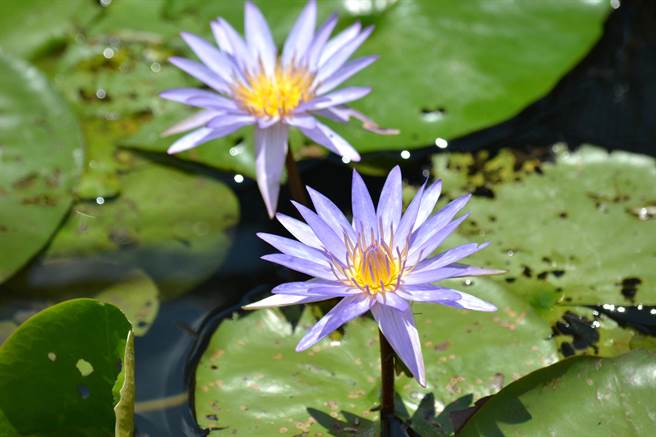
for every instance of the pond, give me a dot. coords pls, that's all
(539, 109)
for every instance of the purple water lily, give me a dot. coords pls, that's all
(253, 85)
(380, 261)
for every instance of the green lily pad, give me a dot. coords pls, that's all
(62, 371)
(578, 396)
(569, 232)
(40, 151)
(31, 26)
(155, 226)
(336, 379)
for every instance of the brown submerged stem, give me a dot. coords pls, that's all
(296, 187)
(387, 391)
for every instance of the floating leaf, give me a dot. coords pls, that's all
(612, 396)
(30, 26)
(40, 154)
(568, 232)
(235, 389)
(43, 391)
(155, 226)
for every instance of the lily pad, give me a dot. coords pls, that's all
(31, 26)
(40, 151)
(339, 379)
(69, 379)
(170, 224)
(612, 396)
(570, 231)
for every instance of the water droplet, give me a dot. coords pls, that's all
(236, 150)
(101, 93)
(432, 116)
(441, 143)
(52, 356)
(239, 178)
(510, 252)
(105, 3)
(615, 4)
(155, 67)
(652, 311)
(100, 200)
(621, 309)
(425, 172)
(468, 282)
(405, 154)
(108, 53)
(345, 160)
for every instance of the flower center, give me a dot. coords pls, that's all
(277, 95)
(374, 269)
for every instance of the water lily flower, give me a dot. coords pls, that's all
(251, 83)
(380, 262)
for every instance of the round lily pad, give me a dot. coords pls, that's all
(335, 383)
(40, 154)
(574, 231)
(578, 396)
(172, 225)
(63, 371)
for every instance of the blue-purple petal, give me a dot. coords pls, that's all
(335, 98)
(331, 214)
(259, 38)
(301, 265)
(344, 73)
(364, 214)
(270, 152)
(202, 73)
(325, 136)
(282, 300)
(332, 242)
(301, 35)
(301, 231)
(399, 329)
(390, 203)
(342, 55)
(295, 248)
(428, 201)
(347, 309)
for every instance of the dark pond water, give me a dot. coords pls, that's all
(609, 99)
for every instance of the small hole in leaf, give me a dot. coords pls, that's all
(431, 115)
(84, 367)
(84, 391)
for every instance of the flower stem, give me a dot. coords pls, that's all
(294, 180)
(387, 378)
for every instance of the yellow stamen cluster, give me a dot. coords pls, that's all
(373, 267)
(275, 95)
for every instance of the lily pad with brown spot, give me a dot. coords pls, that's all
(170, 224)
(340, 379)
(40, 157)
(564, 229)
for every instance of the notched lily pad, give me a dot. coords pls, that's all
(43, 391)
(610, 395)
(40, 156)
(339, 379)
